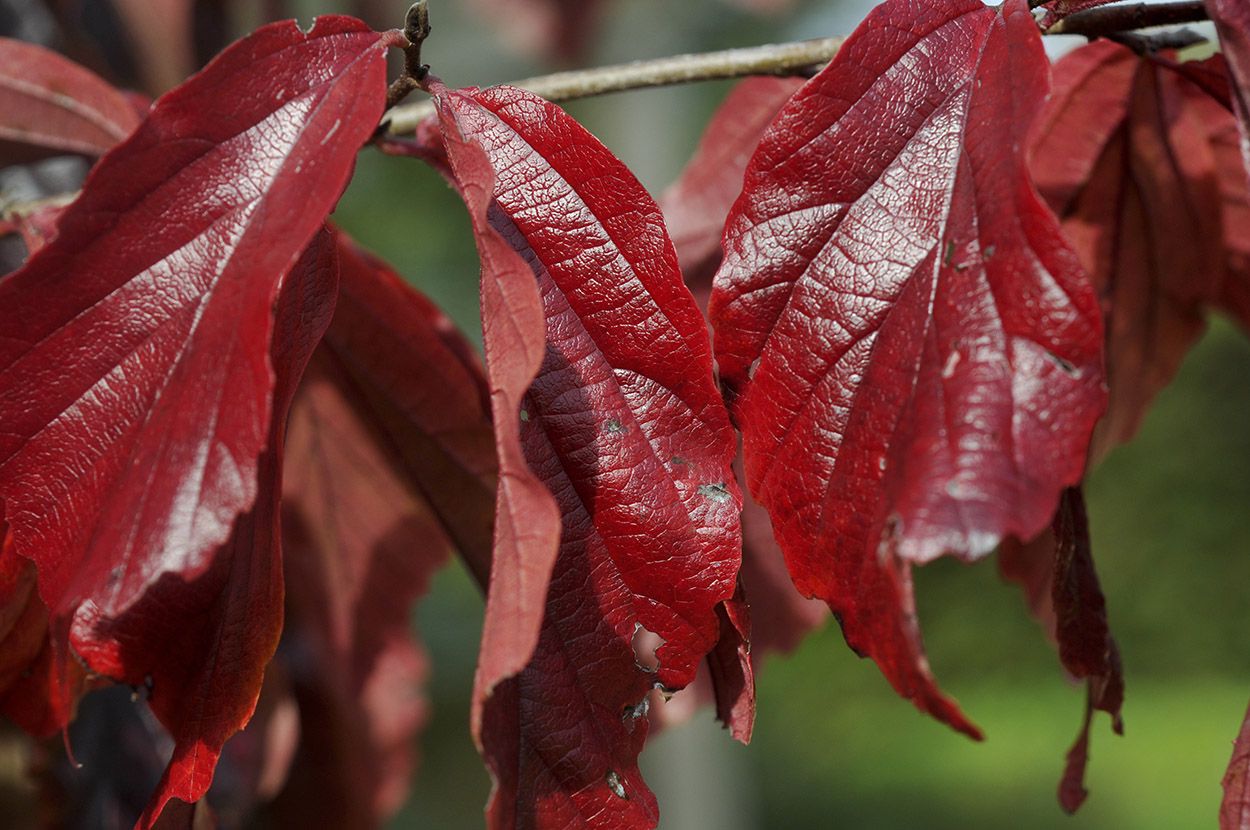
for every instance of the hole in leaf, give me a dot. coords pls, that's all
(645, 644)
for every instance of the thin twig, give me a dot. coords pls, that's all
(416, 30)
(798, 58)
(1108, 20)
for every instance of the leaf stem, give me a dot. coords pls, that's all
(798, 58)
(416, 30)
(1109, 20)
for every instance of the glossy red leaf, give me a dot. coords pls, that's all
(138, 352)
(1232, 23)
(1235, 809)
(695, 206)
(1126, 154)
(624, 425)
(200, 646)
(390, 420)
(914, 348)
(526, 534)
(50, 105)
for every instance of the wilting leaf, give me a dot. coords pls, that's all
(625, 427)
(390, 420)
(200, 646)
(696, 204)
(914, 348)
(137, 350)
(1056, 570)
(1235, 810)
(50, 105)
(1125, 154)
(1232, 22)
(730, 668)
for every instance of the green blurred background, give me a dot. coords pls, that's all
(833, 745)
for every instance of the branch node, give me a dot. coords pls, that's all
(416, 30)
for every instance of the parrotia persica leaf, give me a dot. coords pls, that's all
(200, 646)
(696, 204)
(1235, 809)
(624, 425)
(135, 378)
(391, 419)
(1127, 153)
(50, 105)
(914, 348)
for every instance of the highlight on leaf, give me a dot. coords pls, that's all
(957, 371)
(623, 424)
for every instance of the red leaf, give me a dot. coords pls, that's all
(1126, 154)
(623, 423)
(527, 520)
(201, 646)
(730, 668)
(139, 353)
(1057, 572)
(887, 219)
(1235, 810)
(696, 204)
(391, 418)
(51, 105)
(1232, 23)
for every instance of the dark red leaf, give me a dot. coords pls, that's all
(1057, 572)
(1126, 154)
(1235, 810)
(624, 424)
(914, 348)
(780, 616)
(390, 420)
(50, 105)
(138, 351)
(34, 694)
(696, 204)
(200, 646)
(1232, 23)
(729, 666)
